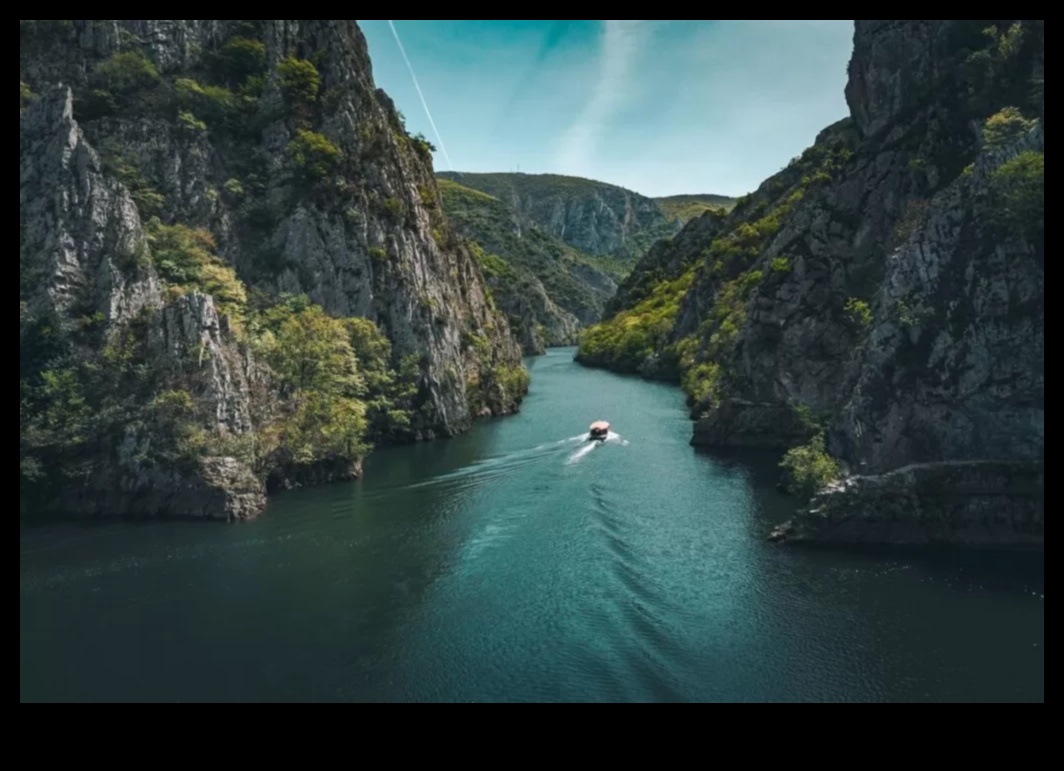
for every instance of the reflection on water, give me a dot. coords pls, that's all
(522, 562)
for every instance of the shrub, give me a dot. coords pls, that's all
(1005, 126)
(191, 123)
(300, 80)
(809, 469)
(859, 313)
(314, 155)
(186, 258)
(781, 265)
(235, 188)
(214, 103)
(126, 73)
(240, 59)
(1019, 186)
(701, 383)
(148, 200)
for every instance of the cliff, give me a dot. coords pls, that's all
(548, 289)
(878, 306)
(595, 218)
(235, 271)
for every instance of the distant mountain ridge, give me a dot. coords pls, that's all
(684, 208)
(598, 218)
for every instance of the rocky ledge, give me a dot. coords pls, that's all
(977, 504)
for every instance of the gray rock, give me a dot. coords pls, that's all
(973, 504)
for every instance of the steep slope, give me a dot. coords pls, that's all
(548, 289)
(234, 269)
(879, 305)
(684, 208)
(593, 217)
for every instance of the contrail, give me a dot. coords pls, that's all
(424, 103)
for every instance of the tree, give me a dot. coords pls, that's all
(313, 353)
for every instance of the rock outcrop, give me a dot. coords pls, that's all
(182, 184)
(887, 290)
(976, 504)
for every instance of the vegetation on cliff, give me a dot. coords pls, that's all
(271, 185)
(595, 218)
(525, 263)
(870, 300)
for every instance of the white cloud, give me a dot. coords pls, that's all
(622, 43)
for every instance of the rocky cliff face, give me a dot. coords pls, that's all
(549, 290)
(886, 290)
(596, 218)
(182, 184)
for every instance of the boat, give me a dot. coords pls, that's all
(599, 431)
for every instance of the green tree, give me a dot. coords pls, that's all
(126, 73)
(313, 352)
(314, 155)
(1020, 187)
(1005, 126)
(241, 58)
(809, 468)
(300, 81)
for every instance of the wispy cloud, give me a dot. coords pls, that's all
(424, 102)
(622, 43)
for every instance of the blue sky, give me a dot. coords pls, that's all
(659, 107)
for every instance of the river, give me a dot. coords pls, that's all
(519, 563)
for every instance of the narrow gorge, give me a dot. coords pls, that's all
(877, 308)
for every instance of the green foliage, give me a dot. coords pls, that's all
(1019, 185)
(629, 338)
(781, 265)
(684, 208)
(126, 73)
(185, 258)
(394, 208)
(26, 96)
(314, 155)
(127, 81)
(810, 468)
(859, 314)
(216, 104)
(75, 396)
(333, 371)
(300, 81)
(190, 123)
(907, 316)
(525, 260)
(240, 59)
(149, 201)
(701, 383)
(1006, 126)
(235, 188)
(423, 146)
(312, 351)
(543, 194)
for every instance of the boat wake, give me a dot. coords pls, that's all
(491, 468)
(591, 446)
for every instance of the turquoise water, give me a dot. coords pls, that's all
(520, 563)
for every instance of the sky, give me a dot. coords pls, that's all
(661, 107)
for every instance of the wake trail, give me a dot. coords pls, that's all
(493, 468)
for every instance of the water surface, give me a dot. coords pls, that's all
(520, 563)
